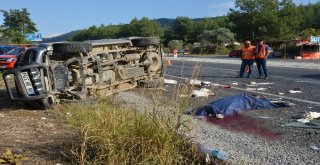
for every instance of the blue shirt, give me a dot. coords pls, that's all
(260, 46)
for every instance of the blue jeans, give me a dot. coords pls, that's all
(262, 63)
(243, 66)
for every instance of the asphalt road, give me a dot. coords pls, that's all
(294, 145)
(284, 78)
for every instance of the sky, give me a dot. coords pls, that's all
(55, 17)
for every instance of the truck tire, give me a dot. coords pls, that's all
(155, 60)
(146, 41)
(42, 104)
(72, 47)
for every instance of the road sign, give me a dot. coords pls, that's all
(315, 39)
(33, 36)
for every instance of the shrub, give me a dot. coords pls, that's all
(112, 134)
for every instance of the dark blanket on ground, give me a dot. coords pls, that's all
(233, 104)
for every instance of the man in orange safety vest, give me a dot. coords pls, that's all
(262, 53)
(247, 57)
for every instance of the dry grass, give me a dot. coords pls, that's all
(112, 134)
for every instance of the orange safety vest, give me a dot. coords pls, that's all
(247, 52)
(262, 54)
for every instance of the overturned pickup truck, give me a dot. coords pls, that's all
(75, 71)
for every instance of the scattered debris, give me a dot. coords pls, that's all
(256, 89)
(310, 124)
(303, 120)
(251, 89)
(173, 82)
(206, 83)
(199, 83)
(195, 82)
(214, 153)
(295, 90)
(312, 115)
(1, 115)
(235, 84)
(203, 92)
(315, 148)
(282, 103)
(225, 86)
(219, 116)
(254, 84)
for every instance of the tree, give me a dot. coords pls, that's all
(290, 20)
(95, 33)
(182, 29)
(268, 19)
(143, 28)
(16, 24)
(175, 44)
(310, 16)
(305, 34)
(217, 37)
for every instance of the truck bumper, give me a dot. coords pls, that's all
(28, 81)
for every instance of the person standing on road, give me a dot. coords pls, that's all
(247, 57)
(262, 53)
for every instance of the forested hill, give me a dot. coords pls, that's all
(163, 22)
(62, 37)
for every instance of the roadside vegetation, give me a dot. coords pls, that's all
(114, 134)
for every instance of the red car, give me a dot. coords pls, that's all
(235, 53)
(8, 60)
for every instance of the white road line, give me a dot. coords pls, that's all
(207, 67)
(264, 93)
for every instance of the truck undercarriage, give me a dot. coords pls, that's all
(75, 71)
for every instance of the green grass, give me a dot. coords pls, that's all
(112, 134)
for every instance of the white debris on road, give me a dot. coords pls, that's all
(206, 83)
(294, 91)
(256, 89)
(203, 92)
(235, 84)
(194, 82)
(253, 84)
(312, 115)
(173, 82)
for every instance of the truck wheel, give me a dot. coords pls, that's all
(146, 41)
(156, 83)
(72, 47)
(155, 60)
(42, 104)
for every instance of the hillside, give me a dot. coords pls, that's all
(63, 37)
(164, 23)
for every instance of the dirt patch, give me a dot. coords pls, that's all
(43, 137)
